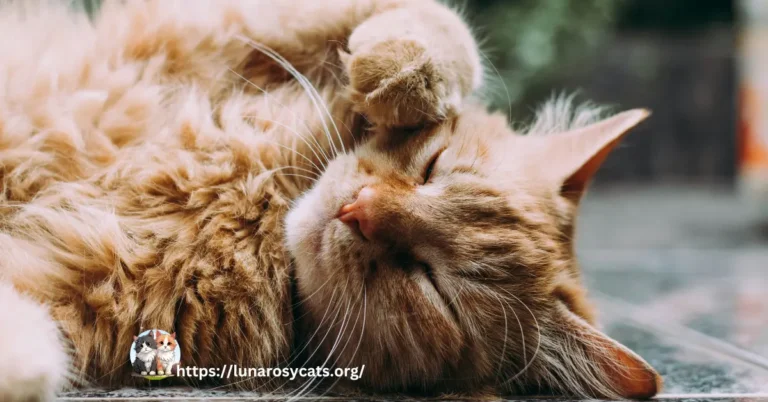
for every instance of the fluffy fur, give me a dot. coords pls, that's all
(166, 346)
(149, 161)
(34, 361)
(146, 355)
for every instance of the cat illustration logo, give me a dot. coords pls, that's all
(155, 355)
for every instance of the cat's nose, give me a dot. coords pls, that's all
(359, 214)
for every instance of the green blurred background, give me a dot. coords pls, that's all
(676, 57)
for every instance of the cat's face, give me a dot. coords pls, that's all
(442, 260)
(165, 342)
(145, 344)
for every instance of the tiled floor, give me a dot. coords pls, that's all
(680, 276)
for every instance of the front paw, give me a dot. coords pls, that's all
(397, 83)
(33, 360)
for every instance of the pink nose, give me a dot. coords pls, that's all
(359, 214)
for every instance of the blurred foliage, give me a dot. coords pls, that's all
(89, 6)
(528, 43)
(532, 47)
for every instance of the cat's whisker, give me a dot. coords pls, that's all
(538, 332)
(297, 153)
(522, 335)
(308, 87)
(362, 326)
(455, 300)
(331, 67)
(314, 174)
(326, 158)
(341, 334)
(307, 298)
(344, 323)
(506, 334)
(297, 354)
(278, 173)
(302, 121)
(341, 330)
(501, 80)
(300, 391)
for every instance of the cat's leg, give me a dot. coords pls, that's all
(403, 62)
(33, 359)
(412, 64)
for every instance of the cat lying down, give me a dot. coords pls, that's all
(293, 182)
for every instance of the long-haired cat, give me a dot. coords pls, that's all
(166, 349)
(146, 348)
(290, 182)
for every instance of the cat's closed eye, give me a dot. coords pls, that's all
(431, 165)
(428, 271)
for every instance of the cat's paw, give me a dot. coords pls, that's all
(144, 373)
(397, 83)
(160, 372)
(33, 361)
(151, 373)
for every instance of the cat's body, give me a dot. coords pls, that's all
(146, 350)
(149, 160)
(166, 347)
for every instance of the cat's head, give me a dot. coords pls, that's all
(165, 342)
(443, 260)
(145, 343)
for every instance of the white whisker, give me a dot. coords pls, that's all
(308, 87)
(325, 159)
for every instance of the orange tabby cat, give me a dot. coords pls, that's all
(166, 347)
(171, 165)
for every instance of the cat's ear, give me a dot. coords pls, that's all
(173, 335)
(576, 155)
(604, 366)
(135, 338)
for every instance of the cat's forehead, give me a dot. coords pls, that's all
(478, 150)
(470, 134)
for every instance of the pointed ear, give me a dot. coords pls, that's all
(577, 155)
(606, 367)
(135, 338)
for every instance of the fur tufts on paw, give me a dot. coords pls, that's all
(396, 83)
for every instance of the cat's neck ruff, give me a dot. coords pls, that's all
(147, 356)
(165, 355)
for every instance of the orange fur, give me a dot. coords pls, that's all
(164, 166)
(166, 343)
(469, 279)
(145, 172)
